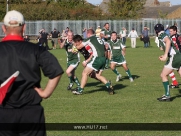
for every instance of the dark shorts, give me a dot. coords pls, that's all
(23, 121)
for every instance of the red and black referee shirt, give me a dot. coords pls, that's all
(29, 59)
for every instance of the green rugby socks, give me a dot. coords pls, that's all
(166, 87)
(116, 72)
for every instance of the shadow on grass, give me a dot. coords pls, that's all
(93, 84)
(103, 88)
(134, 77)
(174, 97)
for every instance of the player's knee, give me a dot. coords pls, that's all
(162, 75)
(84, 73)
(67, 72)
(112, 67)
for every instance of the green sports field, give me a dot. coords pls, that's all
(133, 102)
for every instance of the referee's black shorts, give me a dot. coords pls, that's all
(26, 121)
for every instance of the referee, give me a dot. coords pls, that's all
(22, 102)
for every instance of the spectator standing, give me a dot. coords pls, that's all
(123, 35)
(145, 37)
(84, 33)
(44, 38)
(133, 35)
(55, 34)
(167, 31)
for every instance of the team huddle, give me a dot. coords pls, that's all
(99, 53)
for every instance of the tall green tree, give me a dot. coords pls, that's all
(125, 9)
(56, 10)
(2, 9)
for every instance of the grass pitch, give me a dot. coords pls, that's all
(133, 102)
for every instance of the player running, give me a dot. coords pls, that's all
(73, 60)
(97, 61)
(175, 39)
(118, 52)
(173, 61)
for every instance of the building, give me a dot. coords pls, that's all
(154, 9)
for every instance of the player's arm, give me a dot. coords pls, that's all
(167, 48)
(62, 44)
(50, 87)
(123, 49)
(84, 63)
(88, 48)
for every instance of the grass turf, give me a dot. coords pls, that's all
(133, 102)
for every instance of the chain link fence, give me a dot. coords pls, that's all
(33, 27)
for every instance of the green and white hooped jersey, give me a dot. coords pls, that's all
(162, 44)
(71, 57)
(96, 44)
(116, 47)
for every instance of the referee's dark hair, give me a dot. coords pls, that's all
(77, 38)
(174, 28)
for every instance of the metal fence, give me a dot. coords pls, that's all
(33, 27)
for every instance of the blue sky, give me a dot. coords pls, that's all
(174, 2)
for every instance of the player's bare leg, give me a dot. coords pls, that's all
(114, 69)
(84, 79)
(105, 81)
(127, 71)
(71, 75)
(164, 75)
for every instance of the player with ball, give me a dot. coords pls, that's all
(73, 59)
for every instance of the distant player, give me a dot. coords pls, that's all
(173, 61)
(118, 51)
(105, 36)
(73, 60)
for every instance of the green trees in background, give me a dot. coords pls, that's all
(125, 9)
(72, 9)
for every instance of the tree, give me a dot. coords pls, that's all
(56, 10)
(2, 9)
(125, 9)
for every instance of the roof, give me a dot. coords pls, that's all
(153, 12)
